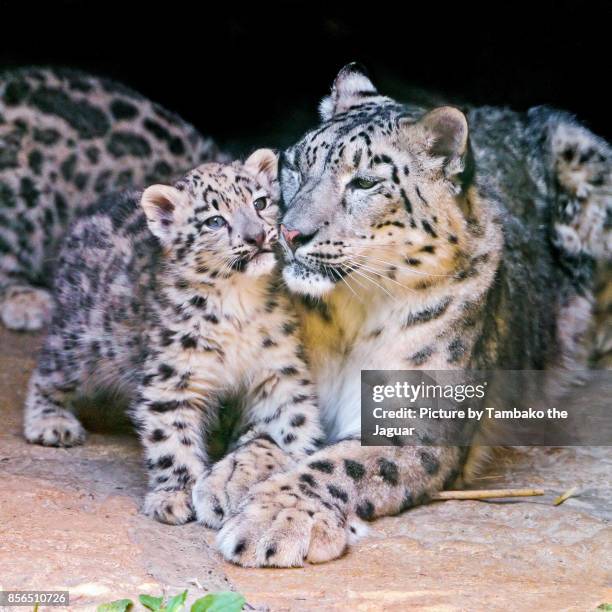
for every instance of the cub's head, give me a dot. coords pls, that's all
(377, 194)
(219, 219)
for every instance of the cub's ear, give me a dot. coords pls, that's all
(163, 206)
(351, 87)
(263, 165)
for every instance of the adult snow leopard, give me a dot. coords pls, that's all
(416, 241)
(65, 138)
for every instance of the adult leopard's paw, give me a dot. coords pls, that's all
(218, 492)
(171, 506)
(279, 527)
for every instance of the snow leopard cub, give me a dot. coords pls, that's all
(171, 297)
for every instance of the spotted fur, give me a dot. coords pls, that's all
(66, 138)
(421, 239)
(175, 304)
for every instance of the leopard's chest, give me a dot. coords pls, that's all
(353, 337)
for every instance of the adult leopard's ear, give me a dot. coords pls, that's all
(351, 88)
(263, 165)
(443, 134)
(163, 206)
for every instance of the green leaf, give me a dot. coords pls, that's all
(120, 605)
(605, 606)
(226, 601)
(153, 603)
(177, 602)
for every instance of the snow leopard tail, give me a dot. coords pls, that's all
(579, 175)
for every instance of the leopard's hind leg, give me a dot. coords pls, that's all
(47, 419)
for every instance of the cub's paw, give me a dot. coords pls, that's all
(218, 492)
(26, 308)
(172, 506)
(280, 527)
(60, 429)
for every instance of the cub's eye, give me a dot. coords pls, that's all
(363, 183)
(260, 203)
(216, 222)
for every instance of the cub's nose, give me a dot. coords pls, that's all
(291, 237)
(256, 239)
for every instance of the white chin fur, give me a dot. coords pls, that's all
(304, 281)
(262, 264)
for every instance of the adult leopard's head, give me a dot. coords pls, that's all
(377, 194)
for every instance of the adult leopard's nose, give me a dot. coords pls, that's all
(291, 237)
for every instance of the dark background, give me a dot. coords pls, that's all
(252, 73)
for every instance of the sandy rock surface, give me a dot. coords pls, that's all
(69, 520)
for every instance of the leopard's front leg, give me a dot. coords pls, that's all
(169, 420)
(312, 513)
(283, 427)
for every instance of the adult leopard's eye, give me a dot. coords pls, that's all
(363, 183)
(216, 222)
(260, 203)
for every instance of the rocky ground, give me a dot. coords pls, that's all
(69, 520)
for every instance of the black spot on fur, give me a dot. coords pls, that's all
(271, 551)
(289, 328)
(16, 92)
(166, 371)
(338, 493)
(388, 471)
(239, 548)
(428, 314)
(322, 466)
(298, 420)
(420, 357)
(365, 510)
(121, 109)
(198, 301)
(430, 463)
(88, 120)
(189, 342)
(127, 143)
(308, 479)
(47, 137)
(430, 230)
(166, 406)
(35, 161)
(354, 469)
(456, 350)
(165, 461)
(407, 501)
(158, 435)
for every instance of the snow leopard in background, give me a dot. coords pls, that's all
(65, 138)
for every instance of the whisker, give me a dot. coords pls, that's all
(374, 271)
(399, 266)
(362, 273)
(345, 281)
